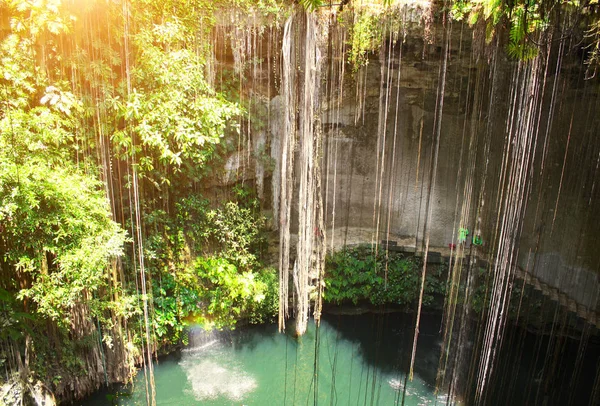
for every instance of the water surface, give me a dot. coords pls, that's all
(361, 360)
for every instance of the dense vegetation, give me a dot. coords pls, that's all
(108, 245)
(534, 25)
(359, 275)
(111, 134)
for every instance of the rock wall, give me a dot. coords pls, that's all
(379, 130)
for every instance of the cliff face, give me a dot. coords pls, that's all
(517, 153)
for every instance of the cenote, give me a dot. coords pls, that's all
(360, 362)
(420, 177)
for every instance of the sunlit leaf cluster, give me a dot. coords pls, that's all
(529, 22)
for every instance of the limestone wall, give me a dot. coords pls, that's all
(376, 163)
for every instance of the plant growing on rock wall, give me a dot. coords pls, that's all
(207, 266)
(529, 23)
(368, 24)
(593, 61)
(230, 295)
(311, 5)
(366, 36)
(238, 233)
(359, 275)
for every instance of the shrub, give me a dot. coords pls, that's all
(359, 275)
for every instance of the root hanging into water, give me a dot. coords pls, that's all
(301, 90)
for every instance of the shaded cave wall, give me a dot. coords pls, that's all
(561, 222)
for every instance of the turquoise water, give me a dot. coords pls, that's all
(360, 362)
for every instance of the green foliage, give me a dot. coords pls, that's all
(215, 293)
(13, 323)
(230, 295)
(57, 229)
(311, 5)
(171, 110)
(207, 266)
(525, 20)
(369, 24)
(366, 36)
(593, 60)
(522, 25)
(84, 91)
(479, 295)
(31, 24)
(358, 275)
(53, 361)
(267, 8)
(176, 297)
(238, 233)
(236, 230)
(57, 237)
(191, 218)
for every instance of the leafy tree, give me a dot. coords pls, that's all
(57, 232)
(171, 109)
(168, 114)
(58, 242)
(206, 256)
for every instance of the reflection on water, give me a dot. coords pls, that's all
(211, 380)
(360, 360)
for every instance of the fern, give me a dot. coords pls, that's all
(518, 26)
(521, 51)
(311, 5)
(518, 48)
